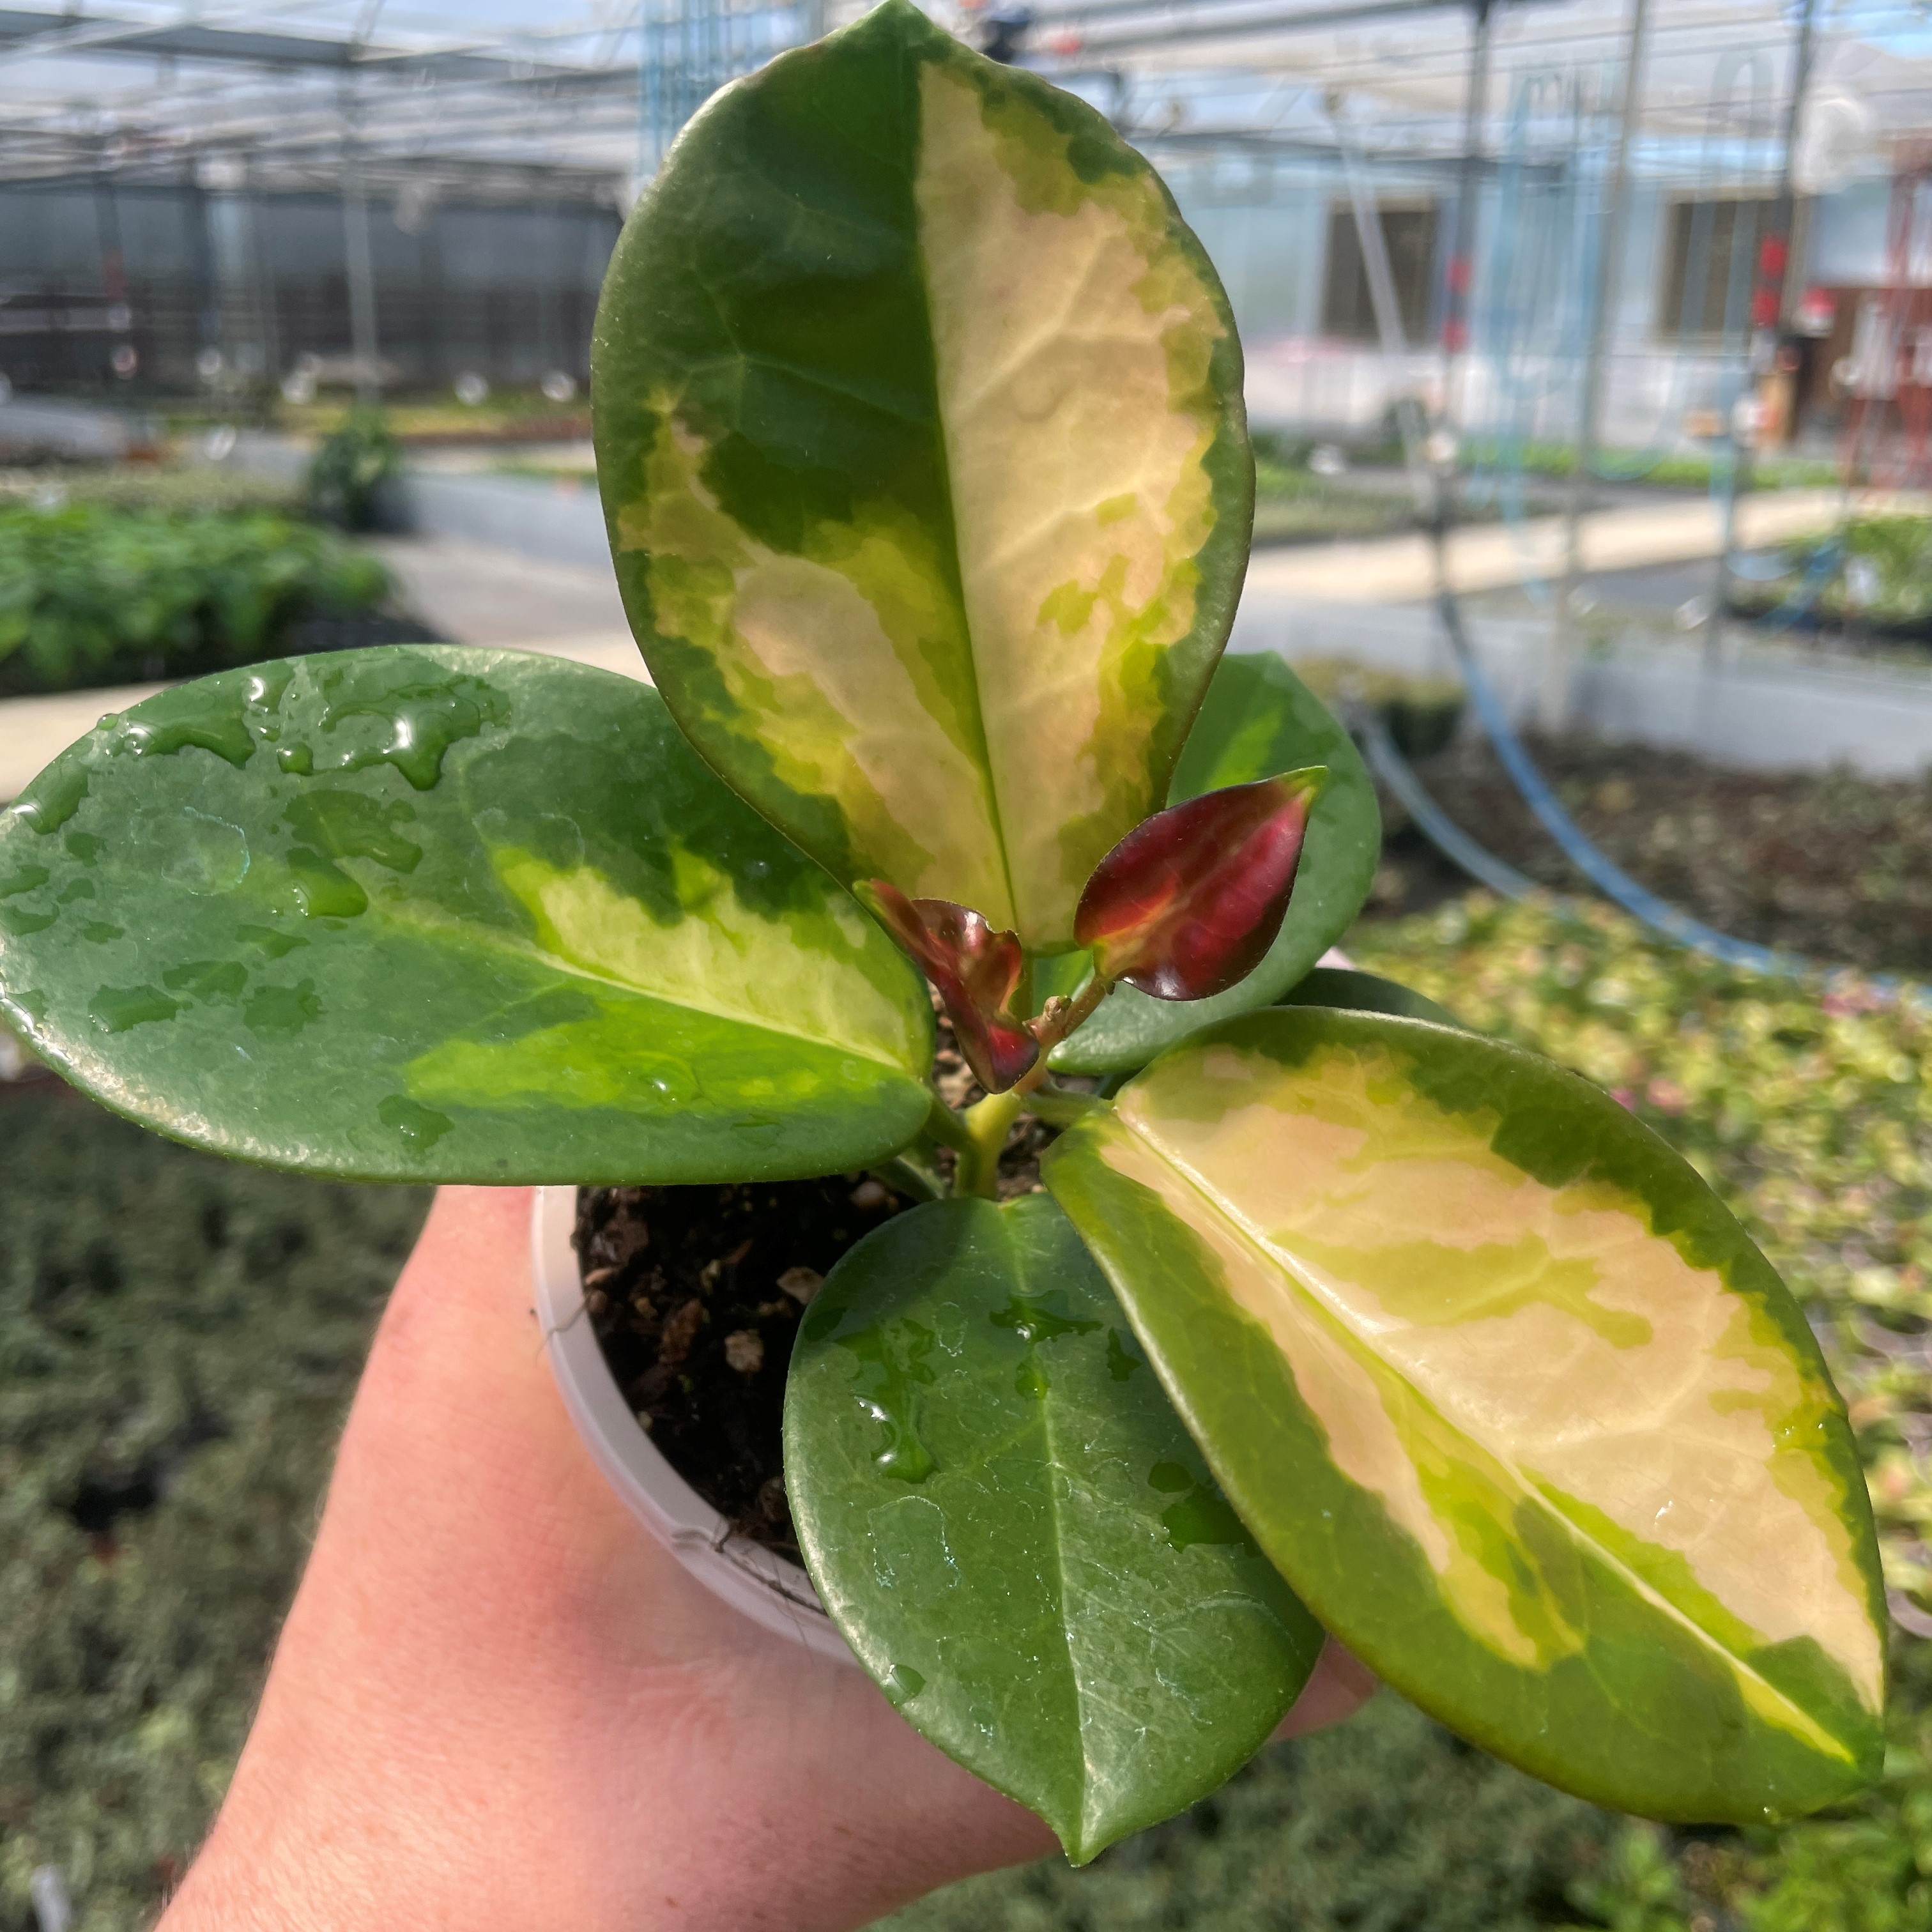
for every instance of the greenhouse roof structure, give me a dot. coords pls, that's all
(296, 92)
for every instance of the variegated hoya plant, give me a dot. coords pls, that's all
(920, 430)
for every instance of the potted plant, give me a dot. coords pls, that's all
(920, 432)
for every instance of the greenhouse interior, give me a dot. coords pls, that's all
(1584, 348)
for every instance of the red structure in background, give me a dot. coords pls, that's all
(1887, 376)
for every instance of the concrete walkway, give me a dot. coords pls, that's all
(1400, 570)
(481, 593)
(475, 593)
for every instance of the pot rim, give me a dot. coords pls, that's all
(772, 1592)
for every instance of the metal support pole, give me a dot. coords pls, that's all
(362, 339)
(1764, 348)
(1559, 668)
(1387, 307)
(113, 263)
(1461, 273)
(261, 274)
(203, 278)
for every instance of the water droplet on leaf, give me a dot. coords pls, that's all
(207, 715)
(279, 1011)
(351, 825)
(207, 978)
(419, 710)
(116, 1009)
(323, 890)
(194, 849)
(54, 796)
(273, 943)
(421, 1126)
(893, 1362)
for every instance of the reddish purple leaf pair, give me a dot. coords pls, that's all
(1187, 904)
(1184, 907)
(977, 971)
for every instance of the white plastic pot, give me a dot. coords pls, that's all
(771, 1591)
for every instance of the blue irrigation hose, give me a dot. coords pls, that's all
(1482, 865)
(1442, 831)
(1608, 878)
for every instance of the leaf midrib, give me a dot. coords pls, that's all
(476, 937)
(944, 441)
(525, 950)
(1252, 1238)
(1056, 1517)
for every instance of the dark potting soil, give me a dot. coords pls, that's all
(695, 1294)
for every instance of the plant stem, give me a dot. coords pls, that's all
(945, 1125)
(1059, 1106)
(987, 1123)
(982, 1129)
(1060, 1017)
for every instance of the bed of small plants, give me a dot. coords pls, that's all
(93, 593)
(1876, 580)
(1295, 504)
(439, 417)
(1668, 469)
(165, 1426)
(190, 487)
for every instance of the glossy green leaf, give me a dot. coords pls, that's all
(920, 433)
(1258, 719)
(447, 914)
(1004, 1516)
(1353, 990)
(1510, 1399)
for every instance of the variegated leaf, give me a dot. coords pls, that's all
(1510, 1399)
(1258, 718)
(920, 433)
(1353, 990)
(447, 914)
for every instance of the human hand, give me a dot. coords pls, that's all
(497, 1702)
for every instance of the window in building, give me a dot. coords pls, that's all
(1710, 263)
(1408, 233)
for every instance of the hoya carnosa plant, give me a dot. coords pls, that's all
(920, 432)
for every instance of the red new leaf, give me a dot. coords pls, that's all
(976, 970)
(1188, 901)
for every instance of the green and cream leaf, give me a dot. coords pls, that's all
(1509, 1398)
(438, 913)
(920, 433)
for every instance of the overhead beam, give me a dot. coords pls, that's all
(1166, 23)
(106, 37)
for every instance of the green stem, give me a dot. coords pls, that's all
(1061, 1017)
(945, 1125)
(987, 1124)
(1059, 1106)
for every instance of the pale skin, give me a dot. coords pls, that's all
(497, 1702)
